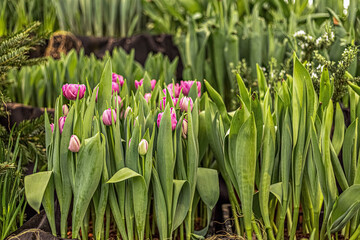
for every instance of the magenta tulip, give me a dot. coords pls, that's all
(70, 91)
(106, 117)
(61, 123)
(184, 104)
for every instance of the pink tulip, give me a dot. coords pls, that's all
(97, 92)
(61, 123)
(74, 145)
(173, 118)
(174, 90)
(114, 87)
(128, 109)
(163, 102)
(52, 127)
(153, 83)
(184, 104)
(186, 86)
(106, 117)
(70, 91)
(119, 101)
(147, 97)
(184, 128)
(138, 83)
(116, 78)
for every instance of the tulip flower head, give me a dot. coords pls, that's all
(114, 87)
(128, 109)
(61, 123)
(97, 93)
(163, 102)
(70, 91)
(184, 104)
(116, 78)
(153, 83)
(184, 128)
(106, 117)
(74, 145)
(138, 83)
(119, 101)
(52, 127)
(65, 109)
(143, 147)
(147, 97)
(186, 86)
(173, 118)
(174, 89)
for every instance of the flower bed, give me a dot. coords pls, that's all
(143, 159)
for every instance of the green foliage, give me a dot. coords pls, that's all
(13, 204)
(39, 85)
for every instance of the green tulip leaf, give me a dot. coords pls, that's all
(35, 186)
(207, 185)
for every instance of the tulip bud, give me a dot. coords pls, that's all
(65, 109)
(114, 87)
(138, 83)
(163, 102)
(119, 100)
(70, 91)
(184, 128)
(52, 127)
(184, 104)
(153, 83)
(106, 117)
(147, 97)
(143, 147)
(173, 118)
(61, 123)
(129, 142)
(74, 144)
(186, 86)
(116, 78)
(97, 93)
(128, 109)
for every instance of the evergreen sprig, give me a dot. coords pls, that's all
(14, 50)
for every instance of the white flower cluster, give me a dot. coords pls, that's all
(326, 38)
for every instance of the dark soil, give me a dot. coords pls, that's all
(19, 112)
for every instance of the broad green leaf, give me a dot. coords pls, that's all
(354, 87)
(35, 186)
(339, 130)
(325, 88)
(244, 94)
(207, 185)
(218, 101)
(267, 164)
(276, 190)
(87, 177)
(349, 151)
(147, 83)
(346, 206)
(181, 202)
(105, 88)
(165, 158)
(123, 174)
(261, 80)
(160, 206)
(246, 156)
